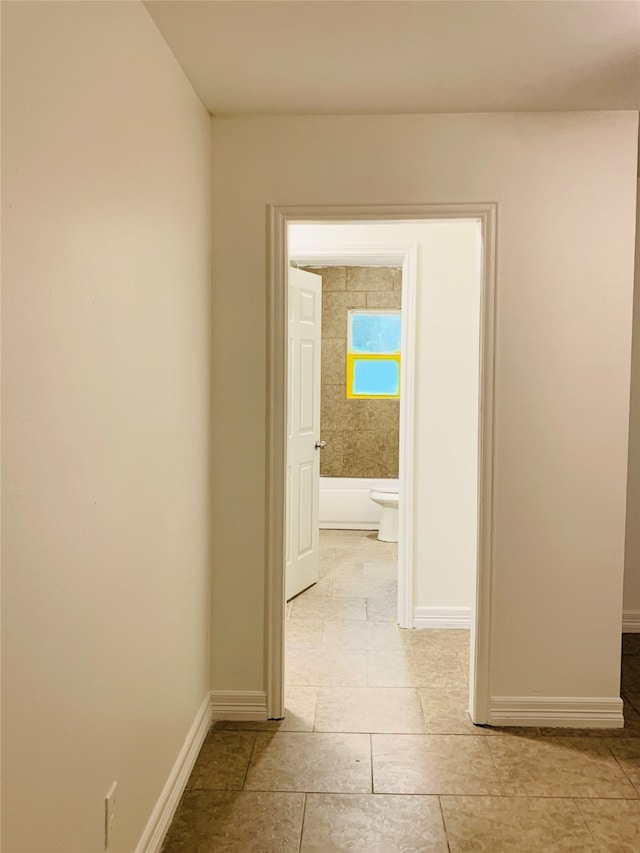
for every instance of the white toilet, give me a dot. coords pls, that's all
(388, 499)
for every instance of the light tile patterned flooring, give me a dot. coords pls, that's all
(377, 754)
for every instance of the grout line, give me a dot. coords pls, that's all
(304, 814)
(431, 795)
(585, 821)
(371, 759)
(246, 771)
(494, 762)
(444, 823)
(623, 771)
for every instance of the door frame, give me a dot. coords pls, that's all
(278, 219)
(407, 257)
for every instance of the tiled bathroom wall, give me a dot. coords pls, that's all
(361, 435)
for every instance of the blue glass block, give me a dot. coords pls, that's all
(375, 377)
(375, 332)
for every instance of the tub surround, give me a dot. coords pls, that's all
(362, 435)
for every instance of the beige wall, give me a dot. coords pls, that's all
(632, 554)
(565, 186)
(105, 413)
(361, 435)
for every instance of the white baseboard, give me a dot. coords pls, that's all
(578, 712)
(345, 525)
(162, 815)
(239, 705)
(442, 617)
(631, 621)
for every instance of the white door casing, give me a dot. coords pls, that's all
(279, 217)
(303, 431)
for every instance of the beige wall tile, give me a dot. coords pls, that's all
(333, 361)
(368, 453)
(345, 421)
(334, 311)
(370, 278)
(384, 299)
(338, 413)
(333, 278)
(382, 416)
(331, 456)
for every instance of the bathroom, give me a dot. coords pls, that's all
(426, 442)
(361, 433)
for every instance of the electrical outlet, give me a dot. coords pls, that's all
(109, 814)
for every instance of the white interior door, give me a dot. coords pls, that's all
(303, 431)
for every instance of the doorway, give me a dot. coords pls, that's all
(280, 220)
(344, 249)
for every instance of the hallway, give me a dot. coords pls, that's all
(377, 752)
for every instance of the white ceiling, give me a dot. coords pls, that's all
(394, 56)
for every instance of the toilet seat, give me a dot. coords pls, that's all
(392, 496)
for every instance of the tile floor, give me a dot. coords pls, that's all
(377, 753)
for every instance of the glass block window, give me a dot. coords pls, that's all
(373, 354)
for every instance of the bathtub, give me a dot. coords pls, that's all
(345, 503)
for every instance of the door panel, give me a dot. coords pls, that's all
(303, 431)
(306, 510)
(307, 389)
